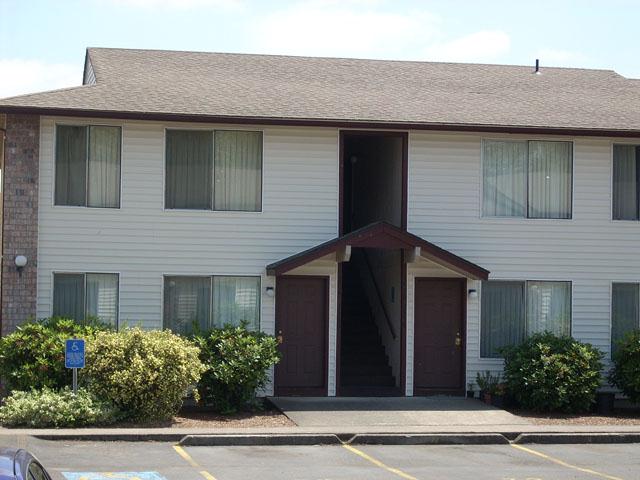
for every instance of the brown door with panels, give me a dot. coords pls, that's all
(439, 336)
(301, 327)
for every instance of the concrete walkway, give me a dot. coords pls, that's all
(397, 412)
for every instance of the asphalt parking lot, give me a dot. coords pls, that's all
(165, 461)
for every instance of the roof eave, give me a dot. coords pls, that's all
(320, 122)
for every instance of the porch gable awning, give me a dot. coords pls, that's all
(386, 236)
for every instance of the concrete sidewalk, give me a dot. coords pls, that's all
(368, 412)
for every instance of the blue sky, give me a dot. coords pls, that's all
(42, 43)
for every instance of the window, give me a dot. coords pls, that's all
(84, 296)
(527, 179)
(512, 310)
(219, 170)
(88, 166)
(625, 311)
(207, 302)
(626, 182)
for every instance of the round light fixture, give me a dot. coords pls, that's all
(21, 261)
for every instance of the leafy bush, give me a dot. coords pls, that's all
(33, 355)
(626, 366)
(48, 408)
(489, 383)
(548, 373)
(146, 374)
(238, 361)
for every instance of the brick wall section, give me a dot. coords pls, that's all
(20, 219)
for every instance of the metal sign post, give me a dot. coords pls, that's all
(74, 358)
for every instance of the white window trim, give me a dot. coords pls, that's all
(85, 123)
(210, 211)
(500, 360)
(84, 274)
(210, 276)
(496, 219)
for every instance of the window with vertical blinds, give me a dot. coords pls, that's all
(87, 163)
(527, 179)
(201, 303)
(626, 182)
(513, 310)
(625, 311)
(220, 170)
(86, 297)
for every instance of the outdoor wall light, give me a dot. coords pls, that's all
(473, 293)
(21, 261)
(270, 291)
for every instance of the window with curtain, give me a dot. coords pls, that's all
(503, 316)
(187, 304)
(87, 166)
(626, 182)
(625, 311)
(513, 310)
(192, 303)
(220, 170)
(86, 296)
(527, 179)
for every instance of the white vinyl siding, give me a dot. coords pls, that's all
(445, 202)
(144, 242)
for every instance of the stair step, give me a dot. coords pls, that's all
(368, 380)
(366, 369)
(365, 391)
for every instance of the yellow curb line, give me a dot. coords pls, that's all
(564, 464)
(378, 463)
(181, 451)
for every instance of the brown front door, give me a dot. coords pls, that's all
(439, 336)
(301, 322)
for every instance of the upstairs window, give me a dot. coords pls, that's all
(203, 303)
(530, 179)
(86, 296)
(87, 166)
(625, 311)
(626, 182)
(513, 310)
(219, 170)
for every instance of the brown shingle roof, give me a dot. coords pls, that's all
(340, 91)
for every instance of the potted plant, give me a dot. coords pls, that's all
(491, 389)
(470, 392)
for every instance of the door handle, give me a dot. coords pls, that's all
(280, 338)
(458, 340)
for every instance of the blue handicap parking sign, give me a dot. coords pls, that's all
(74, 353)
(113, 476)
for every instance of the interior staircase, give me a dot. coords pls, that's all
(364, 365)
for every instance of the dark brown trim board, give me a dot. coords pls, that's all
(305, 391)
(463, 332)
(328, 122)
(381, 235)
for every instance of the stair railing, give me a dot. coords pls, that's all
(371, 284)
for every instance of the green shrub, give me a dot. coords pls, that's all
(48, 408)
(626, 366)
(33, 355)
(551, 373)
(146, 374)
(238, 361)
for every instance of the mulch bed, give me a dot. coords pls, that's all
(202, 418)
(619, 417)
